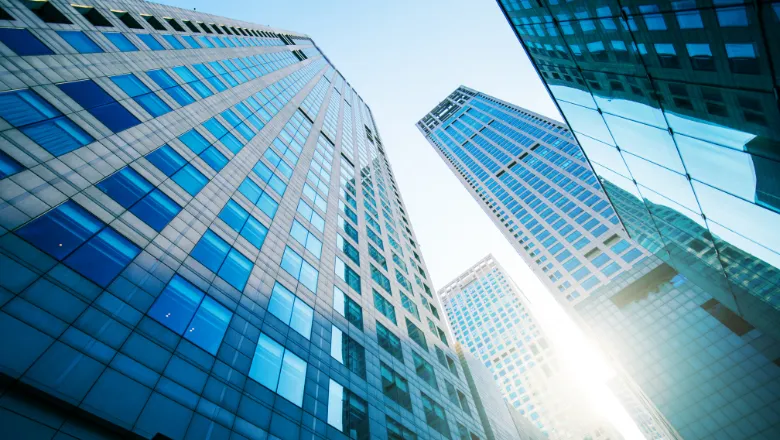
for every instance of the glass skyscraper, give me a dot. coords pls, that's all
(201, 237)
(491, 320)
(675, 105)
(531, 178)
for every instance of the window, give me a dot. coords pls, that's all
(397, 431)
(380, 279)
(347, 412)
(216, 255)
(141, 94)
(384, 306)
(410, 306)
(127, 19)
(452, 366)
(8, 165)
(189, 312)
(260, 198)
(153, 21)
(377, 256)
(120, 41)
(150, 41)
(80, 41)
(239, 219)
(701, 56)
(71, 234)
(171, 87)
(742, 58)
(173, 41)
(306, 239)
(424, 370)
(140, 197)
(291, 310)
(100, 105)
(435, 415)
(348, 308)
(395, 387)
(416, 334)
(389, 342)
(300, 269)
(269, 177)
(464, 403)
(348, 352)
(346, 247)
(348, 275)
(279, 370)
(47, 12)
(23, 42)
(41, 122)
(92, 15)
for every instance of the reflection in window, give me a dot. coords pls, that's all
(348, 352)
(219, 257)
(291, 310)
(347, 412)
(395, 386)
(389, 342)
(435, 415)
(187, 311)
(348, 308)
(279, 370)
(300, 269)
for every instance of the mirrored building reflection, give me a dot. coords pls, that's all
(675, 105)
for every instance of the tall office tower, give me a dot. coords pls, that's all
(494, 411)
(675, 105)
(202, 237)
(532, 180)
(490, 318)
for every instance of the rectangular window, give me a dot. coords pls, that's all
(435, 415)
(80, 41)
(140, 197)
(389, 342)
(219, 257)
(347, 412)
(306, 239)
(291, 310)
(397, 431)
(416, 334)
(348, 352)
(424, 370)
(377, 256)
(395, 387)
(300, 269)
(189, 312)
(348, 308)
(279, 370)
(348, 275)
(380, 279)
(384, 306)
(410, 306)
(100, 104)
(309, 214)
(120, 41)
(351, 251)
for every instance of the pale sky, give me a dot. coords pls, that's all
(403, 57)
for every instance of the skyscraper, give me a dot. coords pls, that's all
(675, 105)
(202, 238)
(491, 320)
(531, 178)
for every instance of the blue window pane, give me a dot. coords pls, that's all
(185, 73)
(114, 116)
(210, 251)
(8, 165)
(217, 84)
(250, 190)
(86, 93)
(218, 41)
(23, 42)
(103, 257)
(277, 185)
(291, 262)
(23, 107)
(194, 141)
(176, 304)
(80, 41)
(254, 232)
(268, 205)
(151, 42)
(131, 85)
(267, 362)
(61, 230)
(125, 186)
(153, 104)
(292, 378)
(166, 159)
(281, 303)
(236, 269)
(206, 42)
(231, 117)
(309, 276)
(180, 95)
(215, 128)
(243, 109)
(120, 41)
(620, 246)
(302, 318)
(176, 44)
(156, 210)
(263, 171)
(209, 325)
(190, 179)
(245, 131)
(234, 215)
(214, 158)
(162, 78)
(232, 143)
(631, 255)
(201, 89)
(191, 41)
(57, 136)
(203, 70)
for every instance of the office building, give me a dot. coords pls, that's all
(491, 320)
(530, 177)
(201, 237)
(675, 104)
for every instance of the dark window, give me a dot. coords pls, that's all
(734, 322)
(395, 387)
(92, 15)
(174, 24)
(435, 415)
(127, 19)
(47, 12)
(191, 26)
(23, 42)
(8, 165)
(4, 15)
(347, 412)
(389, 342)
(154, 22)
(424, 370)
(100, 105)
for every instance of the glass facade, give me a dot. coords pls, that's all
(530, 176)
(491, 320)
(201, 237)
(675, 105)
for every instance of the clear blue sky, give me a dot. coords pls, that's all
(403, 57)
